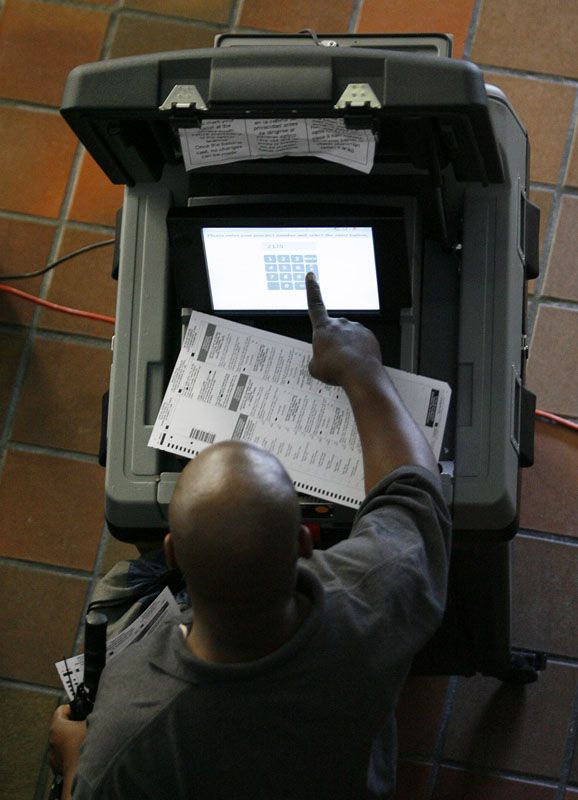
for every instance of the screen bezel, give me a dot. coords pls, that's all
(271, 310)
(389, 241)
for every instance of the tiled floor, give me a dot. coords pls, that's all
(460, 739)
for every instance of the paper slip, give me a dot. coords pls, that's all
(164, 607)
(223, 141)
(234, 382)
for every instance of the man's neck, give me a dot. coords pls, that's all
(241, 638)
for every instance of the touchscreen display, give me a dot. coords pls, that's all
(263, 269)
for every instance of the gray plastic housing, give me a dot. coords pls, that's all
(468, 267)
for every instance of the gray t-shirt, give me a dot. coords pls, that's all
(299, 724)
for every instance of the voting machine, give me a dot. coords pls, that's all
(429, 240)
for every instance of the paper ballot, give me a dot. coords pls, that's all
(164, 607)
(223, 141)
(232, 381)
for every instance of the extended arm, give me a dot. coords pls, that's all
(347, 354)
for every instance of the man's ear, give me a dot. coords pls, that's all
(169, 551)
(305, 542)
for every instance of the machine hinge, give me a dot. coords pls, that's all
(358, 95)
(184, 97)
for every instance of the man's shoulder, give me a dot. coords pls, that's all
(136, 655)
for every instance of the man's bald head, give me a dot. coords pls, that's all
(235, 522)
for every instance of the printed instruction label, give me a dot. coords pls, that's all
(224, 141)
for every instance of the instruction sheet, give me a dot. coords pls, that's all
(164, 607)
(232, 381)
(223, 141)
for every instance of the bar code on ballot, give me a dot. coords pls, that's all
(202, 436)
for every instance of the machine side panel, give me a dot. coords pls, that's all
(139, 353)
(490, 347)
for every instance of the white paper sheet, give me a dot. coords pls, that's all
(232, 381)
(223, 141)
(71, 670)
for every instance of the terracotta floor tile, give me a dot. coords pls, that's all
(213, 11)
(522, 729)
(419, 713)
(39, 615)
(52, 508)
(415, 16)
(35, 159)
(24, 247)
(532, 35)
(61, 399)
(412, 778)
(34, 35)
(95, 198)
(293, 15)
(562, 277)
(83, 282)
(545, 596)
(138, 35)
(459, 784)
(571, 178)
(543, 199)
(549, 487)
(25, 719)
(11, 346)
(552, 367)
(545, 109)
(116, 551)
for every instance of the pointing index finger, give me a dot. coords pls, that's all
(317, 311)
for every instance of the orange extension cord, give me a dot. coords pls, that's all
(110, 320)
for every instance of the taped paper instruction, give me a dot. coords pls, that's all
(223, 141)
(234, 382)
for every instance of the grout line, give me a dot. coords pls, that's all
(532, 76)
(75, 338)
(567, 150)
(137, 13)
(50, 569)
(58, 452)
(111, 30)
(235, 14)
(569, 750)
(551, 188)
(545, 536)
(47, 335)
(29, 105)
(94, 578)
(18, 216)
(556, 302)
(88, 227)
(355, 16)
(555, 658)
(441, 737)
(512, 775)
(28, 686)
(538, 299)
(469, 43)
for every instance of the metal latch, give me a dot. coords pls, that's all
(184, 97)
(358, 95)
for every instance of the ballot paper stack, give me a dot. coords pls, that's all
(234, 382)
